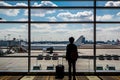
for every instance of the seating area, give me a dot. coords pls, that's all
(50, 67)
(115, 57)
(47, 57)
(106, 68)
(40, 57)
(37, 67)
(99, 68)
(108, 57)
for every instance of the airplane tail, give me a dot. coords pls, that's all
(80, 40)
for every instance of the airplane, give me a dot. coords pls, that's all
(56, 45)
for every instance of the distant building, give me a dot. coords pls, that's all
(3, 43)
(100, 42)
(80, 40)
(83, 39)
(9, 43)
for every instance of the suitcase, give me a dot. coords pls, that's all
(59, 71)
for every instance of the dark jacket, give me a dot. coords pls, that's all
(71, 48)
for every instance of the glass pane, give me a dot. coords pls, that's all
(108, 65)
(13, 15)
(13, 64)
(108, 34)
(45, 36)
(13, 3)
(13, 38)
(108, 46)
(60, 32)
(43, 65)
(84, 64)
(109, 3)
(108, 15)
(61, 15)
(61, 3)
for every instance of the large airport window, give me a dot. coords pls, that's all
(34, 34)
(51, 35)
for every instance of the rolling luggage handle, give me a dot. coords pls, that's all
(60, 63)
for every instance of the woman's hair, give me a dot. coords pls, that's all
(71, 39)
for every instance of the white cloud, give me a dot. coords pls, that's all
(60, 26)
(41, 26)
(22, 19)
(42, 12)
(2, 3)
(118, 14)
(39, 12)
(35, 4)
(59, 32)
(26, 12)
(108, 33)
(15, 32)
(10, 12)
(104, 17)
(112, 29)
(45, 3)
(67, 16)
(113, 3)
(48, 31)
(2, 20)
(21, 4)
(52, 18)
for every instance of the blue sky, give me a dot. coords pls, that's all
(58, 31)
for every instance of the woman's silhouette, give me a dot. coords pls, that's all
(71, 57)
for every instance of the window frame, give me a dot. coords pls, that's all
(29, 22)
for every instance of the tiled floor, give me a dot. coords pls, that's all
(53, 78)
